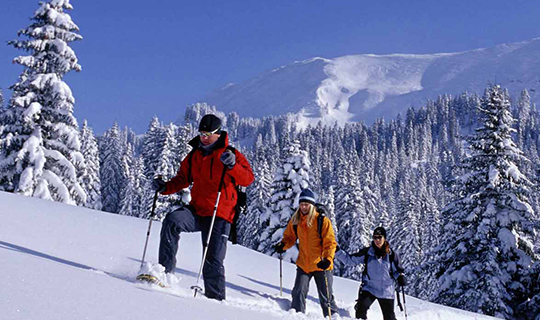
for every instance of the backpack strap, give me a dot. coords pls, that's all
(365, 273)
(320, 221)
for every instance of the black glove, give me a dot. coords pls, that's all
(228, 158)
(158, 184)
(278, 248)
(338, 248)
(401, 280)
(324, 264)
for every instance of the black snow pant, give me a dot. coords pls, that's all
(366, 299)
(184, 220)
(301, 288)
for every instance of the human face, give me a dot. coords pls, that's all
(304, 207)
(207, 138)
(378, 240)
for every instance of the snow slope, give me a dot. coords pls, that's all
(365, 87)
(64, 262)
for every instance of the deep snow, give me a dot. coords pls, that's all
(64, 262)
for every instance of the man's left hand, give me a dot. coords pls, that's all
(228, 158)
(324, 264)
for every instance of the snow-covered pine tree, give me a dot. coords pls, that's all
(486, 250)
(523, 118)
(152, 145)
(353, 221)
(168, 163)
(127, 193)
(258, 194)
(90, 180)
(41, 147)
(291, 177)
(1, 124)
(1, 99)
(111, 173)
(139, 207)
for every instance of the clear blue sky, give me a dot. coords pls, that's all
(145, 58)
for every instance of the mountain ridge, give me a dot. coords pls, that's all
(365, 87)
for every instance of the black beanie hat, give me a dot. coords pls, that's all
(379, 231)
(210, 123)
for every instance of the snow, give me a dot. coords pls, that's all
(508, 239)
(379, 76)
(365, 87)
(32, 109)
(64, 262)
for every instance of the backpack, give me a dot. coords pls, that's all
(241, 201)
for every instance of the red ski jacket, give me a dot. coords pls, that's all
(206, 173)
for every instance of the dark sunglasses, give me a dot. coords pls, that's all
(377, 237)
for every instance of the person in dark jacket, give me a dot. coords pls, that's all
(203, 170)
(316, 253)
(382, 268)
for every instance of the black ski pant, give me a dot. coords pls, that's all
(366, 299)
(301, 288)
(184, 220)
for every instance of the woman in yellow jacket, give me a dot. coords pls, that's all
(316, 253)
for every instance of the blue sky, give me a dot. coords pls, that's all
(143, 58)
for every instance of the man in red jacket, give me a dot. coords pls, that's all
(209, 157)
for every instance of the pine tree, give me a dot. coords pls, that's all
(530, 308)
(168, 162)
(112, 170)
(90, 180)
(40, 140)
(139, 206)
(127, 193)
(258, 194)
(1, 100)
(291, 177)
(353, 222)
(486, 249)
(405, 234)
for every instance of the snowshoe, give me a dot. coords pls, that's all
(148, 278)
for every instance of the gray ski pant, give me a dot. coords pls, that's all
(184, 220)
(301, 288)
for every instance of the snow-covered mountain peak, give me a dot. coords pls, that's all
(367, 86)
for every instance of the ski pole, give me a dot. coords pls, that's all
(328, 296)
(280, 274)
(404, 303)
(399, 300)
(196, 287)
(152, 214)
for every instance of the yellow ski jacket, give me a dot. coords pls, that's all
(311, 249)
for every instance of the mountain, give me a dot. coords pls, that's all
(365, 87)
(64, 262)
